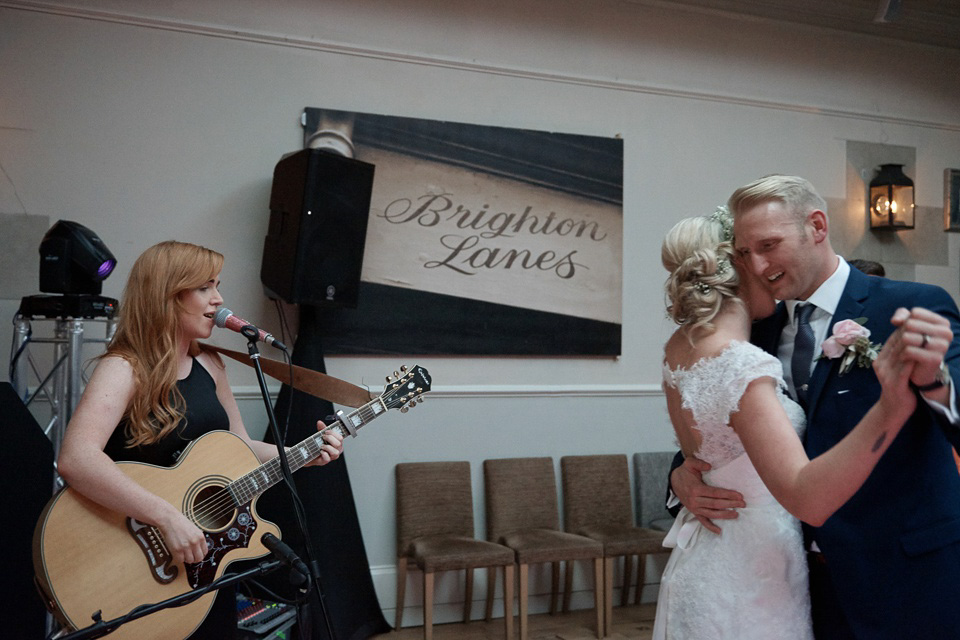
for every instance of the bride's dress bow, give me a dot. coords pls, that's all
(684, 532)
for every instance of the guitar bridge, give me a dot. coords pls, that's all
(154, 551)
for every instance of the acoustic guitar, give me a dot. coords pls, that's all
(88, 558)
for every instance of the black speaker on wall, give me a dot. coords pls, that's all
(319, 207)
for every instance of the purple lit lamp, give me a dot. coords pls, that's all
(73, 260)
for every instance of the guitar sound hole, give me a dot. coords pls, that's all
(213, 508)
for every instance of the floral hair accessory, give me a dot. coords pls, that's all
(723, 216)
(851, 341)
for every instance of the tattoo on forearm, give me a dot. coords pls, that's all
(879, 442)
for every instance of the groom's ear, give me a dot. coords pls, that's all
(818, 221)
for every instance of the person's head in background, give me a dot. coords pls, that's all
(869, 267)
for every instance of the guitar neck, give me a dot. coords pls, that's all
(247, 487)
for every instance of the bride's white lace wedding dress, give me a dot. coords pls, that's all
(751, 581)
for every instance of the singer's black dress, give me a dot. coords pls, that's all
(204, 414)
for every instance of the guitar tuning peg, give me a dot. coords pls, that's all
(404, 409)
(420, 399)
(413, 403)
(403, 368)
(396, 374)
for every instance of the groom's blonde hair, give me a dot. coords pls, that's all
(702, 276)
(796, 193)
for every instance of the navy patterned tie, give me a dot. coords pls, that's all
(802, 351)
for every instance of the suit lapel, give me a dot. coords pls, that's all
(849, 307)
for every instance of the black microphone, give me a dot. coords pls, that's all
(298, 570)
(226, 320)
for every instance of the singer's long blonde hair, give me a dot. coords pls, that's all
(148, 332)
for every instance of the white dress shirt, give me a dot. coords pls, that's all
(825, 299)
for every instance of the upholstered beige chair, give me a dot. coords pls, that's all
(597, 504)
(435, 533)
(522, 513)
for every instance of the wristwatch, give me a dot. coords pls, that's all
(942, 379)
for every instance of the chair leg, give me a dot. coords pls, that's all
(401, 591)
(627, 575)
(508, 579)
(428, 605)
(598, 593)
(641, 576)
(554, 586)
(491, 587)
(468, 595)
(524, 589)
(568, 567)
(607, 595)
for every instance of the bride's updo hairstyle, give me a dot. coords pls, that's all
(698, 253)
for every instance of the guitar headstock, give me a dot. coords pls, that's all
(406, 388)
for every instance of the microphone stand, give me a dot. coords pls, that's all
(252, 335)
(101, 627)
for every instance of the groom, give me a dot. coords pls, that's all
(886, 564)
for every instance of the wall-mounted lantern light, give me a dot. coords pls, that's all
(891, 199)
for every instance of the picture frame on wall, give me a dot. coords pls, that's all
(951, 199)
(481, 240)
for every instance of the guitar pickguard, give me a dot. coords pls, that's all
(237, 535)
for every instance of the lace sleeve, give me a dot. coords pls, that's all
(712, 390)
(749, 365)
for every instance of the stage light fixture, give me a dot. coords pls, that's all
(73, 260)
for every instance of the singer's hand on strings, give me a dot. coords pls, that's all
(332, 448)
(184, 541)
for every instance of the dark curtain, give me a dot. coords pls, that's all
(27, 472)
(351, 603)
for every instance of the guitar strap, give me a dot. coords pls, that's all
(306, 380)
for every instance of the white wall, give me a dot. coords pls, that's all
(152, 120)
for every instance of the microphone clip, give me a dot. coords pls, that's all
(299, 573)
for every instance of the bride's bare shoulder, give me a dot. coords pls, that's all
(683, 352)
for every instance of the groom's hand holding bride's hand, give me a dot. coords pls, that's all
(703, 501)
(924, 337)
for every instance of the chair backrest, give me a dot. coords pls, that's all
(650, 469)
(596, 491)
(521, 493)
(433, 498)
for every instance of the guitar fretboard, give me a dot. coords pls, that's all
(247, 487)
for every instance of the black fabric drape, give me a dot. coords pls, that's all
(351, 601)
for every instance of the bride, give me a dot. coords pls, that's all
(728, 407)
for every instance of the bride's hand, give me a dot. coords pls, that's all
(894, 369)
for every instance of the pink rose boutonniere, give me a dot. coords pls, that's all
(851, 341)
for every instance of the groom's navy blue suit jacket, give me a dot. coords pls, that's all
(893, 550)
